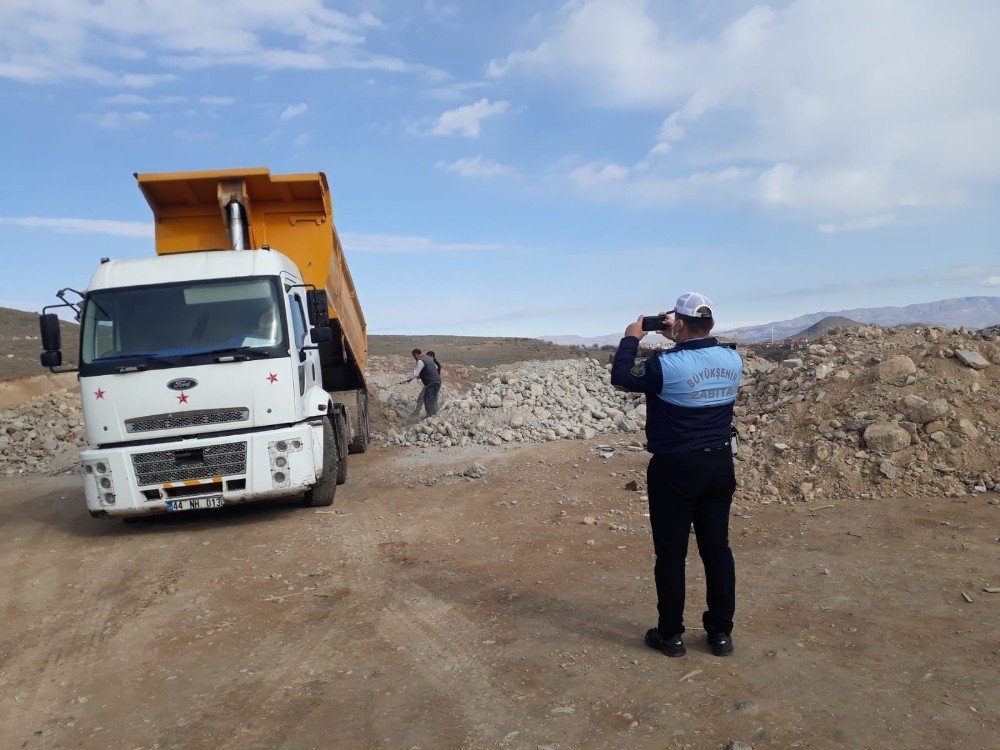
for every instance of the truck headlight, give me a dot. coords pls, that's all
(101, 468)
(104, 483)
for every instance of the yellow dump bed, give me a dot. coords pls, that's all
(290, 213)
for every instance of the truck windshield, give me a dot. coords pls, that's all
(158, 326)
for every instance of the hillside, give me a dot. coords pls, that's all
(20, 344)
(478, 351)
(971, 312)
(610, 339)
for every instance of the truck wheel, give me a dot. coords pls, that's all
(325, 488)
(340, 418)
(362, 434)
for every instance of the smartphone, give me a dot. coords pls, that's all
(653, 322)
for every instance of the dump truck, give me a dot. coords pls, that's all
(230, 366)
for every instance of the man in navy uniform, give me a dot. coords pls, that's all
(690, 391)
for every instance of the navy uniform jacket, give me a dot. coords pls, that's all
(690, 391)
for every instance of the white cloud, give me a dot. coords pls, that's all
(353, 242)
(964, 275)
(138, 100)
(465, 121)
(595, 173)
(293, 111)
(126, 43)
(216, 101)
(857, 107)
(144, 80)
(131, 100)
(854, 225)
(640, 186)
(390, 243)
(114, 120)
(477, 166)
(454, 91)
(141, 229)
(991, 281)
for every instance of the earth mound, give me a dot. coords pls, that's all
(824, 326)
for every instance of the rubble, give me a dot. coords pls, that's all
(975, 360)
(42, 436)
(907, 418)
(894, 368)
(532, 402)
(861, 413)
(886, 438)
(476, 471)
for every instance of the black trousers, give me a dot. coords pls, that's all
(692, 488)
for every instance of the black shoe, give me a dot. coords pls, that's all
(721, 643)
(672, 646)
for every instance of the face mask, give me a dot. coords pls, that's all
(675, 330)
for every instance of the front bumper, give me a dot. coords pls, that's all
(143, 480)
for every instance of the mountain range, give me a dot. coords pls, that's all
(972, 312)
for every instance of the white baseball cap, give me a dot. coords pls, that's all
(689, 302)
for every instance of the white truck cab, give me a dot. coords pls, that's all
(202, 381)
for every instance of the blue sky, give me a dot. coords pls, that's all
(528, 168)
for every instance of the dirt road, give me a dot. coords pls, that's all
(474, 614)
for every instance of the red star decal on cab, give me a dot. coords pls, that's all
(99, 393)
(182, 399)
(273, 377)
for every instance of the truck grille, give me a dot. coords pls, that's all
(190, 463)
(174, 420)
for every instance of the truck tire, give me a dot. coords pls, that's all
(362, 434)
(340, 423)
(322, 492)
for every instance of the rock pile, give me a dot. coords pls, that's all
(43, 435)
(859, 413)
(873, 411)
(534, 402)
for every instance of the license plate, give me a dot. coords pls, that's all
(195, 503)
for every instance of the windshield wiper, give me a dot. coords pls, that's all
(148, 358)
(234, 354)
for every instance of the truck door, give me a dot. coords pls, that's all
(307, 359)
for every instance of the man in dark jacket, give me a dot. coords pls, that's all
(690, 392)
(429, 375)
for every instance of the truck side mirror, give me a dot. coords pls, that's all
(51, 359)
(321, 334)
(48, 324)
(319, 314)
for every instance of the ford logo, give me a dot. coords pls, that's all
(182, 384)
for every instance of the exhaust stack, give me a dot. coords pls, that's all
(237, 222)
